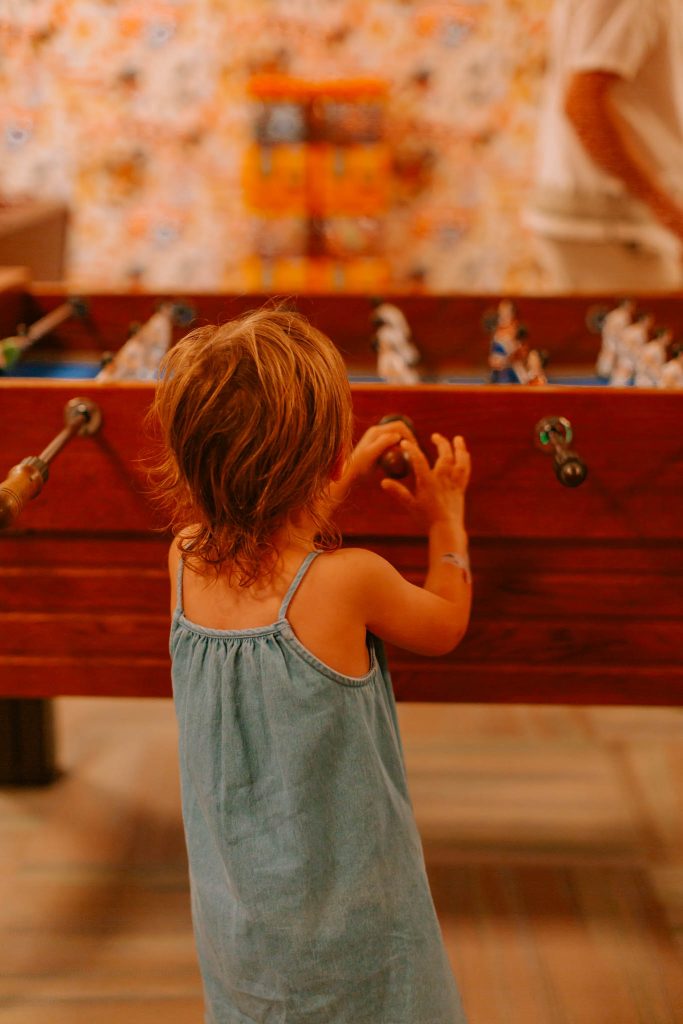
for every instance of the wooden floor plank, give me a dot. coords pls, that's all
(553, 840)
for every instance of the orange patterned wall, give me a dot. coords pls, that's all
(138, 115)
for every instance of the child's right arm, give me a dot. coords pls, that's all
(431, 619)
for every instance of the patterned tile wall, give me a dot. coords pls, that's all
(138, 116)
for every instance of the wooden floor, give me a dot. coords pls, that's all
(553, 838)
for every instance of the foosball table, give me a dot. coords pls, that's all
(575, 509)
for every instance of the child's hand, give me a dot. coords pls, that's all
(374, 442)
(440, 491)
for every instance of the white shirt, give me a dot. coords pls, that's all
(642, 42)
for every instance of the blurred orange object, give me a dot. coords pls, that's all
(286, 274)
(319, 165)
(349, 179)
(275, 178)
(355, 275)
(348, 111)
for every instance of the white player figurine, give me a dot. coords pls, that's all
(396, 354)
(614, 323)
(139, 357)
(672, 372)
(651, 360)
(392, 364)
(387, 313)
(631, 341)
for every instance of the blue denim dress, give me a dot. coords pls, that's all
(310, 900)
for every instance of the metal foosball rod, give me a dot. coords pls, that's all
(25, 480)
(11, 349)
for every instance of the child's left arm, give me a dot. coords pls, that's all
(372, 445)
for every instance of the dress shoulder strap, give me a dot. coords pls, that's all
(179, 587)
(294, 585)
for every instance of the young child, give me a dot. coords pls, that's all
(310, 900)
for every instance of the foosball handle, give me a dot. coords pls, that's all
(394, 460)
(23, 482)
(82, 416)
(553, 435)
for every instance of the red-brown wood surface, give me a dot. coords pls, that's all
(603, 627)
(578, 593)
(630, 440)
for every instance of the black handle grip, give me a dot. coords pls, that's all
(394, 460)
(553, 435)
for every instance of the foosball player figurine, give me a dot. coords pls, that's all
(508, 351)
(651, 359)
(139, 357)
(611, 328)
(392, 365)
(536, 363)
(387, 313)
(672, 372)
(392, 341)
(632, 339)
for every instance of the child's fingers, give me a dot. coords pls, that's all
(391, 427)
(377, 439)
(400, 427)
(463, 460)
(376, 446)
(398, 491)
(462, 456)
(445, 454)
(417, 460)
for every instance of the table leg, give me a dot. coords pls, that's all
(27, 742)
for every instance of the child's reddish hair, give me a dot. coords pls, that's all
(255, 414)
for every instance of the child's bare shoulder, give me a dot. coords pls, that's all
(358, 567)
(356, 558)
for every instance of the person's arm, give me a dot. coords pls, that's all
(613, 146)
(431, 619)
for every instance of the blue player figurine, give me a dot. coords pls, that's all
(507, 349)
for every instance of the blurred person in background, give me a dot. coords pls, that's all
(607, 207)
